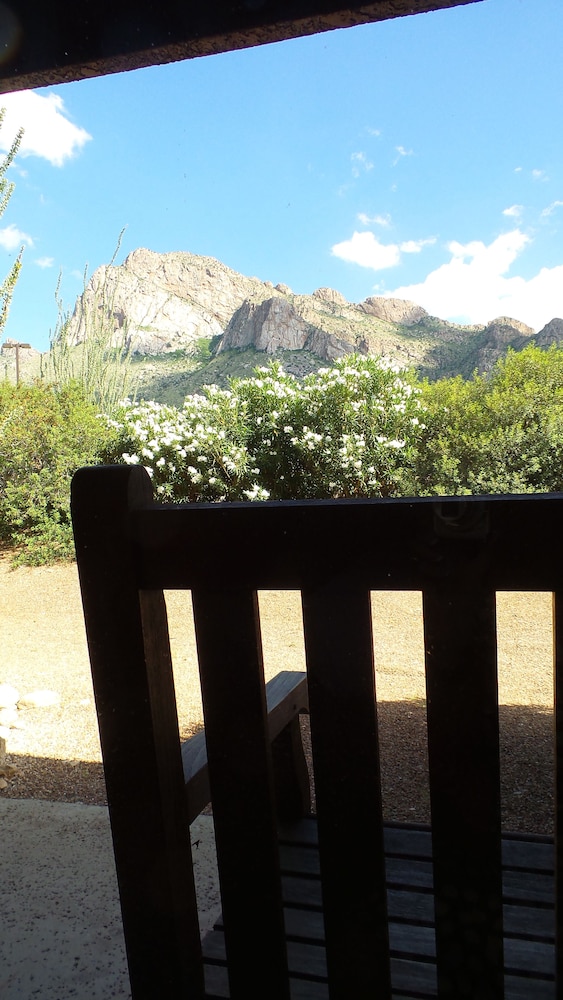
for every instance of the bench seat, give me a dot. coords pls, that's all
(528, 911)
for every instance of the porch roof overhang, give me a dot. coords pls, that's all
(42, 44)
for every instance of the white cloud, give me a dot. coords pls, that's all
(550, 209)
(374, 220)
(44, 262)
(401, 151)
(539, 175)
(373, 131)
(49, 133)
(415, 246)
(514, 212)
(360, 162)
(11, 238)
(367, 251)
(474, 285)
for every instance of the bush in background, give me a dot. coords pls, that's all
(362, 428)
(345, 431)
(497, 433)
(350, 430)
(45, 434)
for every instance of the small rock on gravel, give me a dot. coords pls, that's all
(8, 696)
(9, 718)
(39, 699)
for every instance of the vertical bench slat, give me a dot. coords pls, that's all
(135, 701)
(464, 776)
(558, 720)
(339, 653)
(241, 783)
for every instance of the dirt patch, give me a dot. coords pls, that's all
(57, 754)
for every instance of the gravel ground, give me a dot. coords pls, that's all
(57, 755)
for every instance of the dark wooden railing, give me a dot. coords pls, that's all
(458, 553)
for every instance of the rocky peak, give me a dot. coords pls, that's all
(502, 331)
(495, 338)
(552, 333)
(331, 296)
(393, 310)
(164, 301)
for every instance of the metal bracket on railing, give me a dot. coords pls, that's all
(461, 520)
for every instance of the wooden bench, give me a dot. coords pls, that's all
(351, 907)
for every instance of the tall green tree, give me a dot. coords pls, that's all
(496, 433)
(6, 191)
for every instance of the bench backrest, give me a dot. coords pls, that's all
(458, 553)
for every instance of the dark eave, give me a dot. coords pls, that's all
(45, 43)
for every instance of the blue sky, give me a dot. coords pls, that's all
(420, 157)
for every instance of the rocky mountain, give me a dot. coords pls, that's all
(552, 333)
(166, 303)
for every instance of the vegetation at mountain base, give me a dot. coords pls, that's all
(170, 378)
(363, 427)
(46, 433)
(101, 362)
(499, 433)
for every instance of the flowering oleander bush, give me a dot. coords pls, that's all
(349, 430)
(196, 453)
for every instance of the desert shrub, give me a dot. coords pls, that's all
(361, 428)
(101, 361)
(499, 433)
(345, 431)
(349, 430)
(45, 434)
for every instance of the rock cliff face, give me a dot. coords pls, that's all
(496, 338)
(270, 326)
(552, 333)
(394, 310)
(276, 325)
(166, 302)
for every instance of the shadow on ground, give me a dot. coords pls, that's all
(527, 765)
(56, 780)
(527, 768)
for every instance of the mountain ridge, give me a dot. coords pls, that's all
(168, 303)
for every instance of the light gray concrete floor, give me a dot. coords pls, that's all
(61, 935)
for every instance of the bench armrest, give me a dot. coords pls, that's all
(286, 698)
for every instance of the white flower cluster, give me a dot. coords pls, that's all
(190, 454)
(347, 430)
(337, 433)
